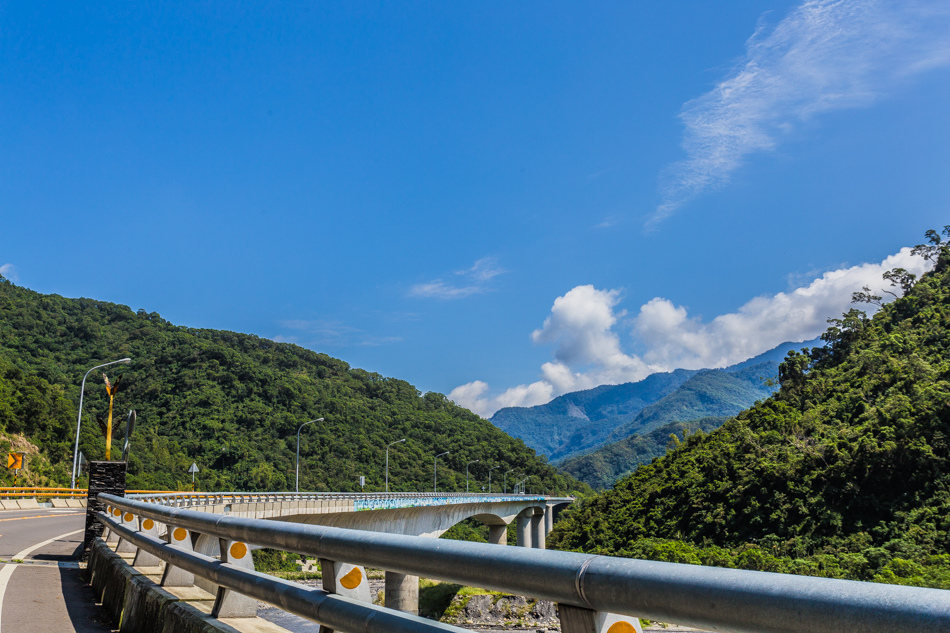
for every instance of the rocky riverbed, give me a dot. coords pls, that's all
(489, 612)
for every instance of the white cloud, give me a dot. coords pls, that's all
(9, 271)
(465, 283)
(587, 349)
(825, 55)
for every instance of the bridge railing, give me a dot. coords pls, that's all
(582, 585)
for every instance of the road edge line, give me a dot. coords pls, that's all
(8, 570)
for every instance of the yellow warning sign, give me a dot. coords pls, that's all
(15, 461)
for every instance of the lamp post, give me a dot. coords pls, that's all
(79, 419)
(297, 483)
(387, 460)
(505, 489)
(489, 477)
(435, 471)
(466, 472)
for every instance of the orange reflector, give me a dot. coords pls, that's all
(353, 579)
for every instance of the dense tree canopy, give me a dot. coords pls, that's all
(845, 471)
(232, 403)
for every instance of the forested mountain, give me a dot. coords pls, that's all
(232, 403)
(581, 421)
(602, 467)
(845, 471)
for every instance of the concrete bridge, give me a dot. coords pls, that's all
(414, 514)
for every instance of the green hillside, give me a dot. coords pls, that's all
(709, 393)
(582, 420)
(232, 403)
(601, 468)
(844, 472)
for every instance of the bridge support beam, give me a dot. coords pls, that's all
(548, 519)
(402, 592)
(537, 530)
(579, 620)
(524, 528)
(498, 534)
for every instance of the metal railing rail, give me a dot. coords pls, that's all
(332, 611)
(703, 597)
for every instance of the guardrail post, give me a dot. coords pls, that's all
(580, 620)
(345, 580)
(498, 534)
(537, 529)
(228, 603)
(143, 558)
(112, 538)
(524, 524)
(124, 546)
(175, 576)
(402, 592)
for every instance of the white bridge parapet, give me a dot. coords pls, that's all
(414, 514)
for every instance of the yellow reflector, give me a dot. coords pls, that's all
(353, 579)
(180, 534)
(238, 551)
(621, 627)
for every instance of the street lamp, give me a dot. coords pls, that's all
(466, 472)
(387, 460)
(435, 471)
(79, 419)
(489, 477)
(505, 489)
(297, 483)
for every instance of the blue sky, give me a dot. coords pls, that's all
(501, 201)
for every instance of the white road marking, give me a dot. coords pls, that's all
(7, 570)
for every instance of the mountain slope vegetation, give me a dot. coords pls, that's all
(579, 422)
(604, 466)
(845, 471)
(582, 420)
(233, 404)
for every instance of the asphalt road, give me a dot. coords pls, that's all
(44, 592)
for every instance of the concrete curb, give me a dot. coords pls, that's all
(138, 604)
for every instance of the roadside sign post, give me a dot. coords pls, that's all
(193, 469)
(362, 482)
(15, 461)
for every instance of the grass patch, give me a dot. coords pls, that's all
(435, 598)
(297, 575)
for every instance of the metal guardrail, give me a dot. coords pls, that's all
(335, 612)
(703, 597)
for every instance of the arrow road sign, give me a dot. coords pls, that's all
(15, 461)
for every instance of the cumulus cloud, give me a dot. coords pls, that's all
(9, 271)
(826, 55)
(582, 328)
(463, 283)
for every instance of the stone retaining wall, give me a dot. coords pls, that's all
(137, 604)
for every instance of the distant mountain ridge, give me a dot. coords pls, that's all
(582, 421)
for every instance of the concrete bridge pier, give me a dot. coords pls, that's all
(402, 592)
(548, 519)
(498, 534)
(537, 528)
(524, 527)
